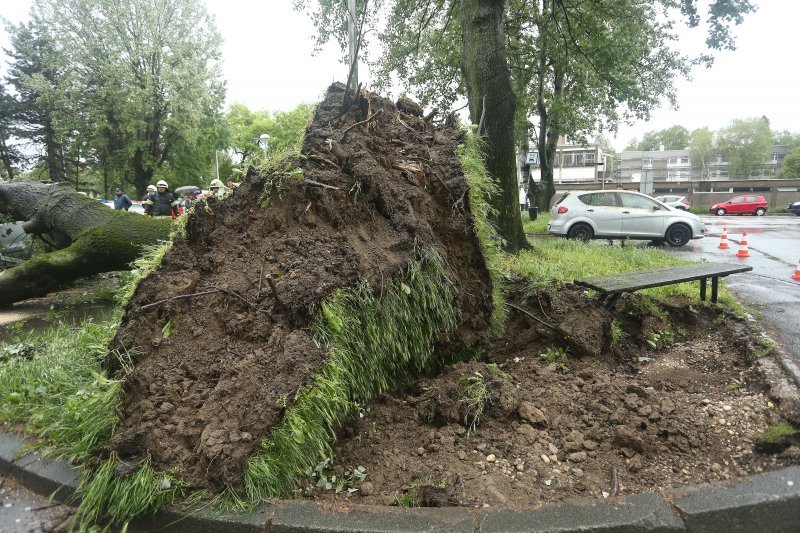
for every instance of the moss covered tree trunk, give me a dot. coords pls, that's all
(90, 237)
(488, 80)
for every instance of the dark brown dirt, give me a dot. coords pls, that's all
(631, 419)
(211, 370)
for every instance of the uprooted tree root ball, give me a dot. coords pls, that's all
(330, 277)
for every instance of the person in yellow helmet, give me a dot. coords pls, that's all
(161, 203)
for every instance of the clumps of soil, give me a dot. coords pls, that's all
(214, 371)
(556, 427)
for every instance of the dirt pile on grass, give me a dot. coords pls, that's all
(671, 401)
(214, 372)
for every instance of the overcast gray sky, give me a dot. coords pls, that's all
(268, 64)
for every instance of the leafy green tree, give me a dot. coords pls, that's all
(791, 164)
(149, 75)
(245, 127)
(577, 66)
(10, 156)
(674, 138)
(745, 143)
(40, 112)
(786, 137)
(701, 149)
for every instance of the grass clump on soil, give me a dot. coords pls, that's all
(776, 432)
(108, 497)
(475, 397)
(374, 343)
(481, 189)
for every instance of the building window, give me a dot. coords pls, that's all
(567, 160)
(590, 158)
(578, 160)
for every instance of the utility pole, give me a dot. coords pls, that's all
(351, 44)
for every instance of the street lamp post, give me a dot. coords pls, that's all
(263, 140)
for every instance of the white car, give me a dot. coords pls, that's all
(622, 215)
(678, 202)
(14, 244)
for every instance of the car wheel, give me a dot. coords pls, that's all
(582, 232)
(760, 212)
(720, 212)
(678, 234)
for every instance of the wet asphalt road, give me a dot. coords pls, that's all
(774, 245)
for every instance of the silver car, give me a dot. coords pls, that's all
(678, 202)
(622, 215)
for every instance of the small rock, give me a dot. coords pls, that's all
(531, 413)
(625, 437)
(589, 445)
(577, 457)
(635, 464)
(552, 447)
(462, 454)
(520, 467)
(528, 431)
(491, 458)
(726, 408)
(545, 458)
(366, 488)
(577, 472)
(421, 451)
(716, 467)
(638, 391)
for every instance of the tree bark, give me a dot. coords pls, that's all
(92, 238)
(486, 73)
(549, 132)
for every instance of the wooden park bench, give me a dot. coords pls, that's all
(612, 287)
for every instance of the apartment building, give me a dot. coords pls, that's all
(677, 166)
(573, 163)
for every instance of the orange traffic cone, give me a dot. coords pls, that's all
(796, 274)
(723, 241)
(743, 251)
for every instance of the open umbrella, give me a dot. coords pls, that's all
(188, 189)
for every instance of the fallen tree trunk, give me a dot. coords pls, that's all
(90, 238)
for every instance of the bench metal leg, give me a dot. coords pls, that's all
(612, 300)
(703, 289)
(714, 286)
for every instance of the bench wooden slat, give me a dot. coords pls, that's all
(645, 279)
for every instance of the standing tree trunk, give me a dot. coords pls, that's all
(486, 74)
(55, 165)
(549, 131)
(5, 155)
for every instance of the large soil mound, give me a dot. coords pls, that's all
(212, 371)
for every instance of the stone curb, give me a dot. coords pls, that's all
(764, 502)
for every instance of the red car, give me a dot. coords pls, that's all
(745, 204)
